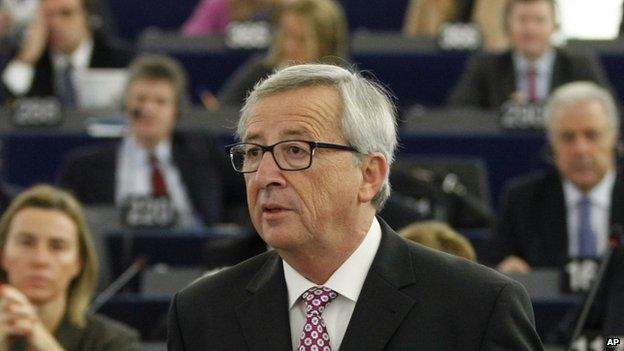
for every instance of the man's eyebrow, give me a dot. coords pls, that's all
(251, 137)
(285, 134)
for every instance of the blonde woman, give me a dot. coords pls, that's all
(48, 274)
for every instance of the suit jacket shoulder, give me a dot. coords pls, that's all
(412, 298)
(487, 81)
(99, 334)
(90, 173)
(572, 66)
(532, 222)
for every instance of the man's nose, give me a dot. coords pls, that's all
(268, 172)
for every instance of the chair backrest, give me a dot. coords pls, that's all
(101, 219)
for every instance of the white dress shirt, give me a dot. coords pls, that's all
(600, 198)
(543, 73)
(134, 178)
(18, 76)
(347, 281)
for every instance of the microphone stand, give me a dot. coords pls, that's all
(614, 242)
(135, 268)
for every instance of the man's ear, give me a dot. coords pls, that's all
(375, 170)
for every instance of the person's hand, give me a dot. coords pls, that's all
(514, 264)
(19, 318)
(35, 40)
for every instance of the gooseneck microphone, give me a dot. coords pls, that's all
(615, 239)
(135, 268)
(136, 113)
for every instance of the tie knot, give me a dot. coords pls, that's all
(153, 159)
(584, 201)
(317, 298)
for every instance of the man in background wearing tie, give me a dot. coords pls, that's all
(59, 41)
(153, 159)
(530, 70)
(568, 212)
(317, 145)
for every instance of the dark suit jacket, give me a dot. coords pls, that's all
(105, 55)
(489, 79)
(413, 298)
(215, 191)
(99, 334)
(533, 221)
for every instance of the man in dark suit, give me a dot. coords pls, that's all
(317, 144)
(567, 212)
(58, 42)
(530, 70)
(189, 168)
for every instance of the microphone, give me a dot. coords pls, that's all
(135, 268)
(452, 185)
(135, 113)
(614, 242)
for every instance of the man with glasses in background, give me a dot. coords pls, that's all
(317, 144)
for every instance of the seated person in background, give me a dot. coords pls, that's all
(152, 159)
(49, 273)
(547, 218)
(213, 16)
(425, 17)
(439, 236)
(530, 70)
(309, 31)
(58, 42)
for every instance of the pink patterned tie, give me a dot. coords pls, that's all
(314, 336)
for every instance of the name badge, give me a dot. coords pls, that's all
(149, 212)
(579, 275)
(37, 112)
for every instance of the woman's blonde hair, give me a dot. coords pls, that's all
(328, 23)
(82, 287)
(439, 236)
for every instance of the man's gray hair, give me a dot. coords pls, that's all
(576, 92)
(368, 115)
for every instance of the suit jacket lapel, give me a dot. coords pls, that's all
(264, 316)
(617, 202)
(507, 81)
(382, 306)
(555, 223)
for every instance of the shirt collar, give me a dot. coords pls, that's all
(348, 279)
(542, 65)
(599, 195)
(134, 148)
(79, 58)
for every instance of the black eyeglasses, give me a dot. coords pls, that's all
(289, 155)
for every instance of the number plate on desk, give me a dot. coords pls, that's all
(149, 212)
(37, 112)
(521, 116)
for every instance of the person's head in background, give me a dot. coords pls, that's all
(154, 95)
(582, 124)
(309, 31)
(530, 25)
(46, 251)
(439, 236)
(67, 23)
